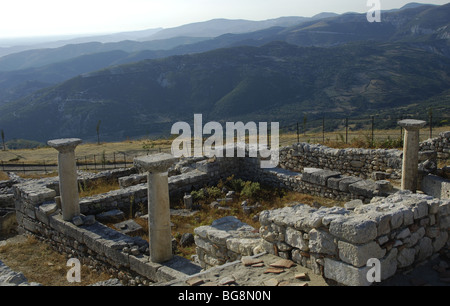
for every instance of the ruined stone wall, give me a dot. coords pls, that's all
(318, 182)
(225, 240)
(400, 230)
(353, 162)
(440, 144)
(94, 244)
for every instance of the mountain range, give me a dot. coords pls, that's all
(329, 64)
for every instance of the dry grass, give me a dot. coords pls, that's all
(41, 264)
(273, 199)
(98, 187)
(3, 176)
(50, 155)
(357, 139)
(37, 175)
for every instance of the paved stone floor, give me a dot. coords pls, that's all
(262, 274)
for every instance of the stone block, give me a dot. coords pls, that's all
(436, 186)
(365, 188)
(295, 239)
(322, 242)
(345, 274)
(358, 255)
(406, 257)
(111, 216)
(157, 163)
(346, 182)
(128, 227)
(355, 229)
(319, 177)
(333, 182)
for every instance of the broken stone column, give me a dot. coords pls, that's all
(67, 170)
(410, 153)
(160, 236)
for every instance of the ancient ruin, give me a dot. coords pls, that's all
(400, 228)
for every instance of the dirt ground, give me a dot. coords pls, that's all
(41, 264)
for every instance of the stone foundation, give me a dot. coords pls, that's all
(400, 230)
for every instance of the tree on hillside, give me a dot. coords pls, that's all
(3, 140)
(98, 132)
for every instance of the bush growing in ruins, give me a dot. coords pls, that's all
(251, 190)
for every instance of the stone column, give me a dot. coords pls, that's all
(410, 153)
(160, 236)
(68, 181)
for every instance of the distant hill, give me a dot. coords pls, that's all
(275, 82)
(336, 65)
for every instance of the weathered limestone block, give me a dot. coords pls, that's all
(319, 177)
(355, 229)
(365, 188)
(345, 274)
(322, 242)
(346, 182)
(358, 255)
(295, 239)
(436, 186)
(406, 257)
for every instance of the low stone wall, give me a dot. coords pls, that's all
(400, 230)
(353, 162)
(318, 182)
(94, 244)
(440, 144)
(225, 240)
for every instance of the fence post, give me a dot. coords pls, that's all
(323, 130)
(125, 159)
(431, 122)
(95, 163)
(373, 123)
(114, 160)
(346, 130)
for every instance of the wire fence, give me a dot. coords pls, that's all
(94, 162)
(369, 131)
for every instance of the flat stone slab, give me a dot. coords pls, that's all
(128, 227)
(158, 163)
(365, 188)
(59, 144)
(247, 275)
(411, 124)
(319, 176)
(111, 216)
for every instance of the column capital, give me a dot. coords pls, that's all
(412, 124)
(157, 163)
(64, 145)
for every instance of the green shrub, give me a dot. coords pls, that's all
(214, 192)
(251, 190)
(198, 195)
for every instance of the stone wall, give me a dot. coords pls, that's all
(440, 144)
(352, 162)
(318, 182)
(225, 240)
(94, 244)
(400, 230)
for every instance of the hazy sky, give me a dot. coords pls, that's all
(22, 18)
